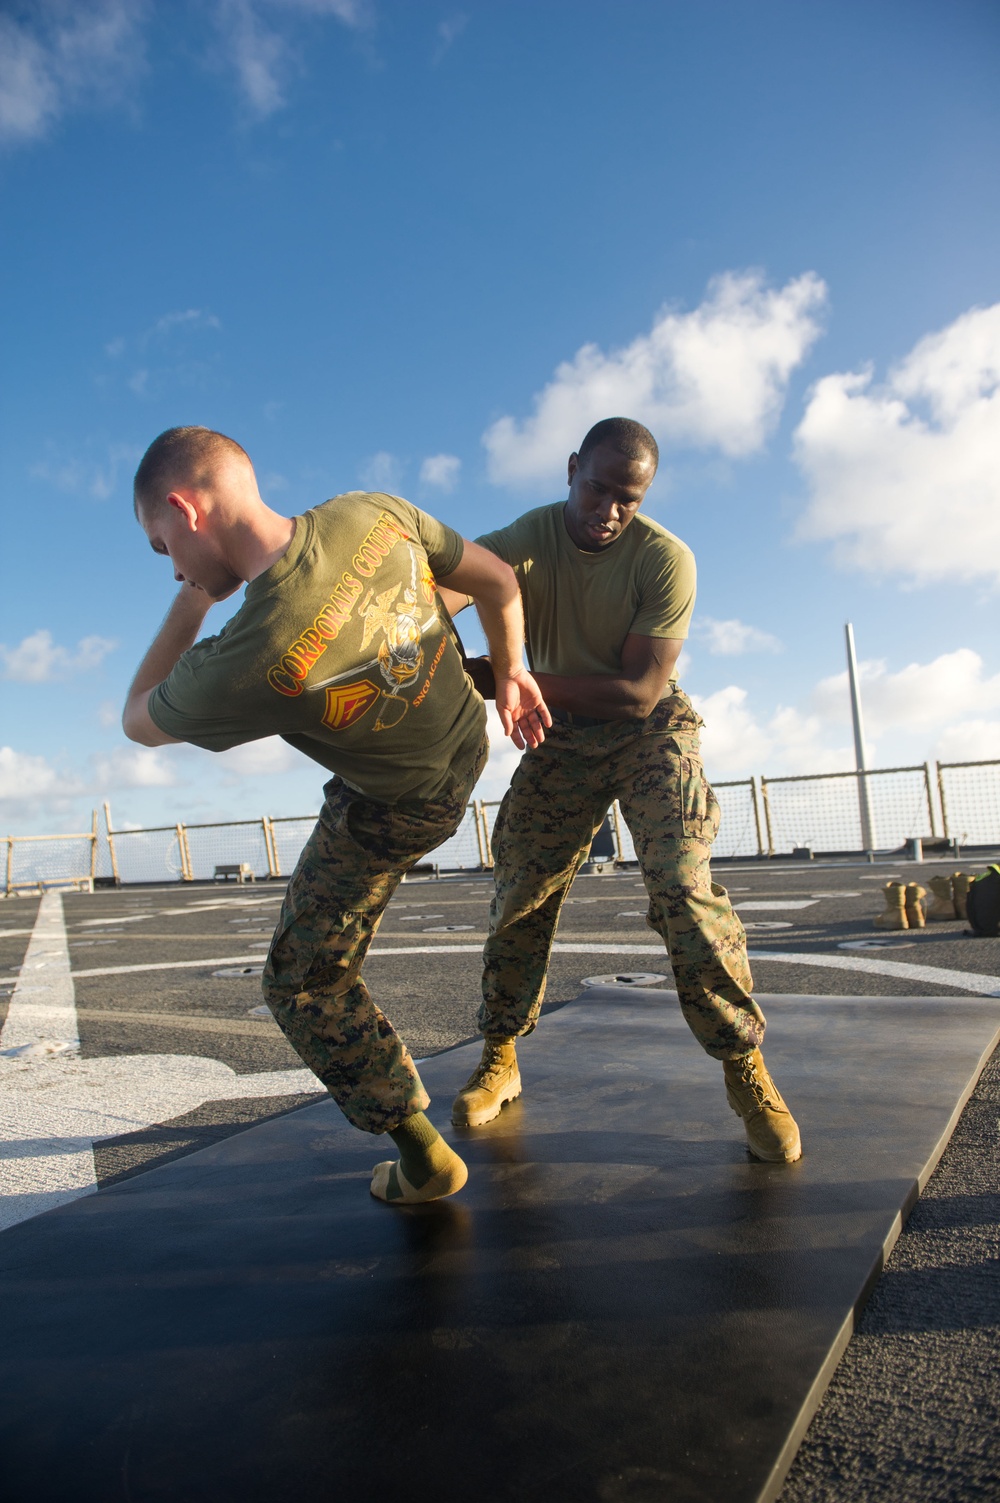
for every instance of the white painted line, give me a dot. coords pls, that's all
(968, 981)
(54, 1105)
(42, 1010)
(53, 1111)
(165, 965)
(131, 918)
(40, 1166)
(761, 905)
(11, 933)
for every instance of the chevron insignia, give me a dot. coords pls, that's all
(346, 703)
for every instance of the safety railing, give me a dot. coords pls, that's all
(35, 862)
(740, 830)
(970, 801)
(827, 812)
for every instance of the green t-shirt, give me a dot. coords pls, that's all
(579, 607)
(340, 649)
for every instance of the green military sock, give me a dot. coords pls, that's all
(427, 1168)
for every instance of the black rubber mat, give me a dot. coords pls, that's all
(621, 1306)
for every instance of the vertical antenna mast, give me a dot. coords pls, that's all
(864, 800)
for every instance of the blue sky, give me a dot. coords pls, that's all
(422, 247)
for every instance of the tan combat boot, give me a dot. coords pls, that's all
(770, 1127)
(495, 1081)
(960, 884)
(914, 905)
(894, 916)
(942, 904)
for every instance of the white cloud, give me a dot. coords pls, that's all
(382, 472)
(969, 741)
(712, 378)
(733, 638)
(135, 767)
(97, 478)
(189, 318)
(448, 32)
(262, 57)
(937, 710)
(738, 741)
(257, 54)
(38, 659)
(441, 470)
(906, 476)
(924, 697)
(23, 777)
(57, 57)
(260, 758)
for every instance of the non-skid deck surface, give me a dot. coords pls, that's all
(620, 1307)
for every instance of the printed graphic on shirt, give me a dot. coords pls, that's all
(394, 614)
(348, 703)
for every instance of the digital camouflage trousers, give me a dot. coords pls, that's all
(557, 800)
(350, 867)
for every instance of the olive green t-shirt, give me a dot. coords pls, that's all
(579, 607)
(340, 649)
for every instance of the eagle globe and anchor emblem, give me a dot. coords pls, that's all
(399, 658)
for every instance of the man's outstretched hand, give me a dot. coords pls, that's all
(523, 712)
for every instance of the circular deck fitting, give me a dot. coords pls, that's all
(626, 978)
(875, 944)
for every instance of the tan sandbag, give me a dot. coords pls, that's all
(915, 895)
(894, 916)
(942, 903)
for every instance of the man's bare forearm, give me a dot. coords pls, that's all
(502, 621)
(598, 694)
(180, 630)
(647, 664)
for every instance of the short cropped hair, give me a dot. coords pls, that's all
(181, 456)
(624, 434)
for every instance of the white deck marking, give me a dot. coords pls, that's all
(40, 1166)
(761, 905)
(42, 1011)
(54, 1105)
(968, 981)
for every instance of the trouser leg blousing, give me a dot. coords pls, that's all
(350, 867)
(557, 800)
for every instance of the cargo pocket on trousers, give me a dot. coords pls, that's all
(296, 945)
(699, 807)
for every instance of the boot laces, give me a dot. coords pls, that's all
(750, 1078)
(491, 1064)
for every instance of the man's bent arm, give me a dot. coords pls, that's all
(493, 586)
(453, 601)
(647, 666)
(180, 630)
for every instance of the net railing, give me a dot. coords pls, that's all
(970, 801)
(40, 861)
(824, 811)
(465, 850)
(213, 850)
(740, 829)
(288, 836)
(155, 854)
